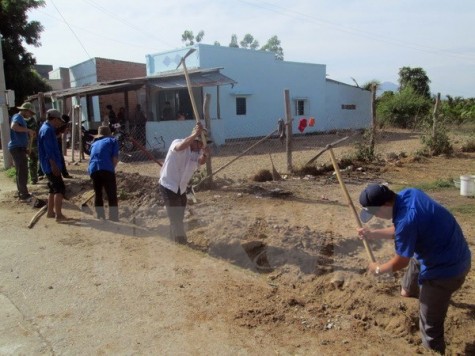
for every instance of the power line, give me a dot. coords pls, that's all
(124, 21)
(74, 33)
(264, 5)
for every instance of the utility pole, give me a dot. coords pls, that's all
(4, 122)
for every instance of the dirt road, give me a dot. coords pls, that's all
(94, 287)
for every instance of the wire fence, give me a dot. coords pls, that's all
(243, 159)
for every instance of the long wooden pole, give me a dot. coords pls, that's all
(192, 97)
(350, 203)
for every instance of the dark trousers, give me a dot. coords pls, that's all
(434, 298)
(20, 159)
(105, 180)
(64, 171)
(33, 165)
(175, 205)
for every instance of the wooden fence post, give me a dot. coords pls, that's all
(288, 120)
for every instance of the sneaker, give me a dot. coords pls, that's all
(27, 197)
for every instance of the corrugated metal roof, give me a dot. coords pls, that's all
(172, 80)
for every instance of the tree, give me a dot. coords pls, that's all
(18, 62)
(249, 42)
(404, 109)
(189, 38)
(273, 45)
(234, 41)
(416, 78)
(369, 85)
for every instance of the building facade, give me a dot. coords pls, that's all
(253, 106)
(98, 70)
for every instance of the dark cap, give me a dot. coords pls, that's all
(372, 197)
(54, 114)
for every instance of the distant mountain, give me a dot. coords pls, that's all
(386, 86)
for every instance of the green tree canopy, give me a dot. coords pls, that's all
(189, 38)
(273, 45)
(416, 78)
(18, 62)
(234, 41)
(249, 42)
(404, 109)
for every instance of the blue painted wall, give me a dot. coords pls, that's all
(262, 79)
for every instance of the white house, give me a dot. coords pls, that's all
(252, 107)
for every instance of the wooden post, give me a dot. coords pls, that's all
(218, 107)
(434, 115)
(206, 104)
(373, 119)
(289, 119)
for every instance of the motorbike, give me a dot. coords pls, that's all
(122, 137)
(87, 139)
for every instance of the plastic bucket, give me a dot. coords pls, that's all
(467, 186)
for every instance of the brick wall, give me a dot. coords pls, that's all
(111, 69)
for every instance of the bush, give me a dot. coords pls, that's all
(437, 144)
(405, 109)
(469, 146)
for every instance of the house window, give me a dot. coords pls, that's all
(241, 106)
(348, 107)
(300, 107)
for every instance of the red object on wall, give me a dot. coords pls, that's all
(302, 124)
(311, 122)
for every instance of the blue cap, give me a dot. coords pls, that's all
(371, 198)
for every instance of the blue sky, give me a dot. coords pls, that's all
(361, 39)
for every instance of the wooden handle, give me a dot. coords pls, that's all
(193, 102)
(37, 216)
(350, 203)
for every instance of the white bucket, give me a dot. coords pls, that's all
(467, 186)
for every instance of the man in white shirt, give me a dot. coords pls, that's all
(183, 158)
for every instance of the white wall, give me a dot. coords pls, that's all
(338, 94)
(262, 79)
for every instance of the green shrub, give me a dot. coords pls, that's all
(438, 144)
(469, 146)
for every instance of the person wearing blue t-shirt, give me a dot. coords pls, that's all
(18, 147)
(51, 164)
(103, 160)
(429, 241)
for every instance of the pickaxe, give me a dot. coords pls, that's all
(190, 92)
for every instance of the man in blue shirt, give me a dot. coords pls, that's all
(429, 240)
(18, 147)
(51, 163)
(103, 160)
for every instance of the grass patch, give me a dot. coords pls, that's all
(465, 209)
(11, 173)
(436, 185)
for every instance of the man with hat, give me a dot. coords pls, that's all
(183, 158)
(18, 147)
(430, 242)
(103, 160)
(51, 163)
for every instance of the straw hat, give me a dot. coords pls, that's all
(27, 106)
